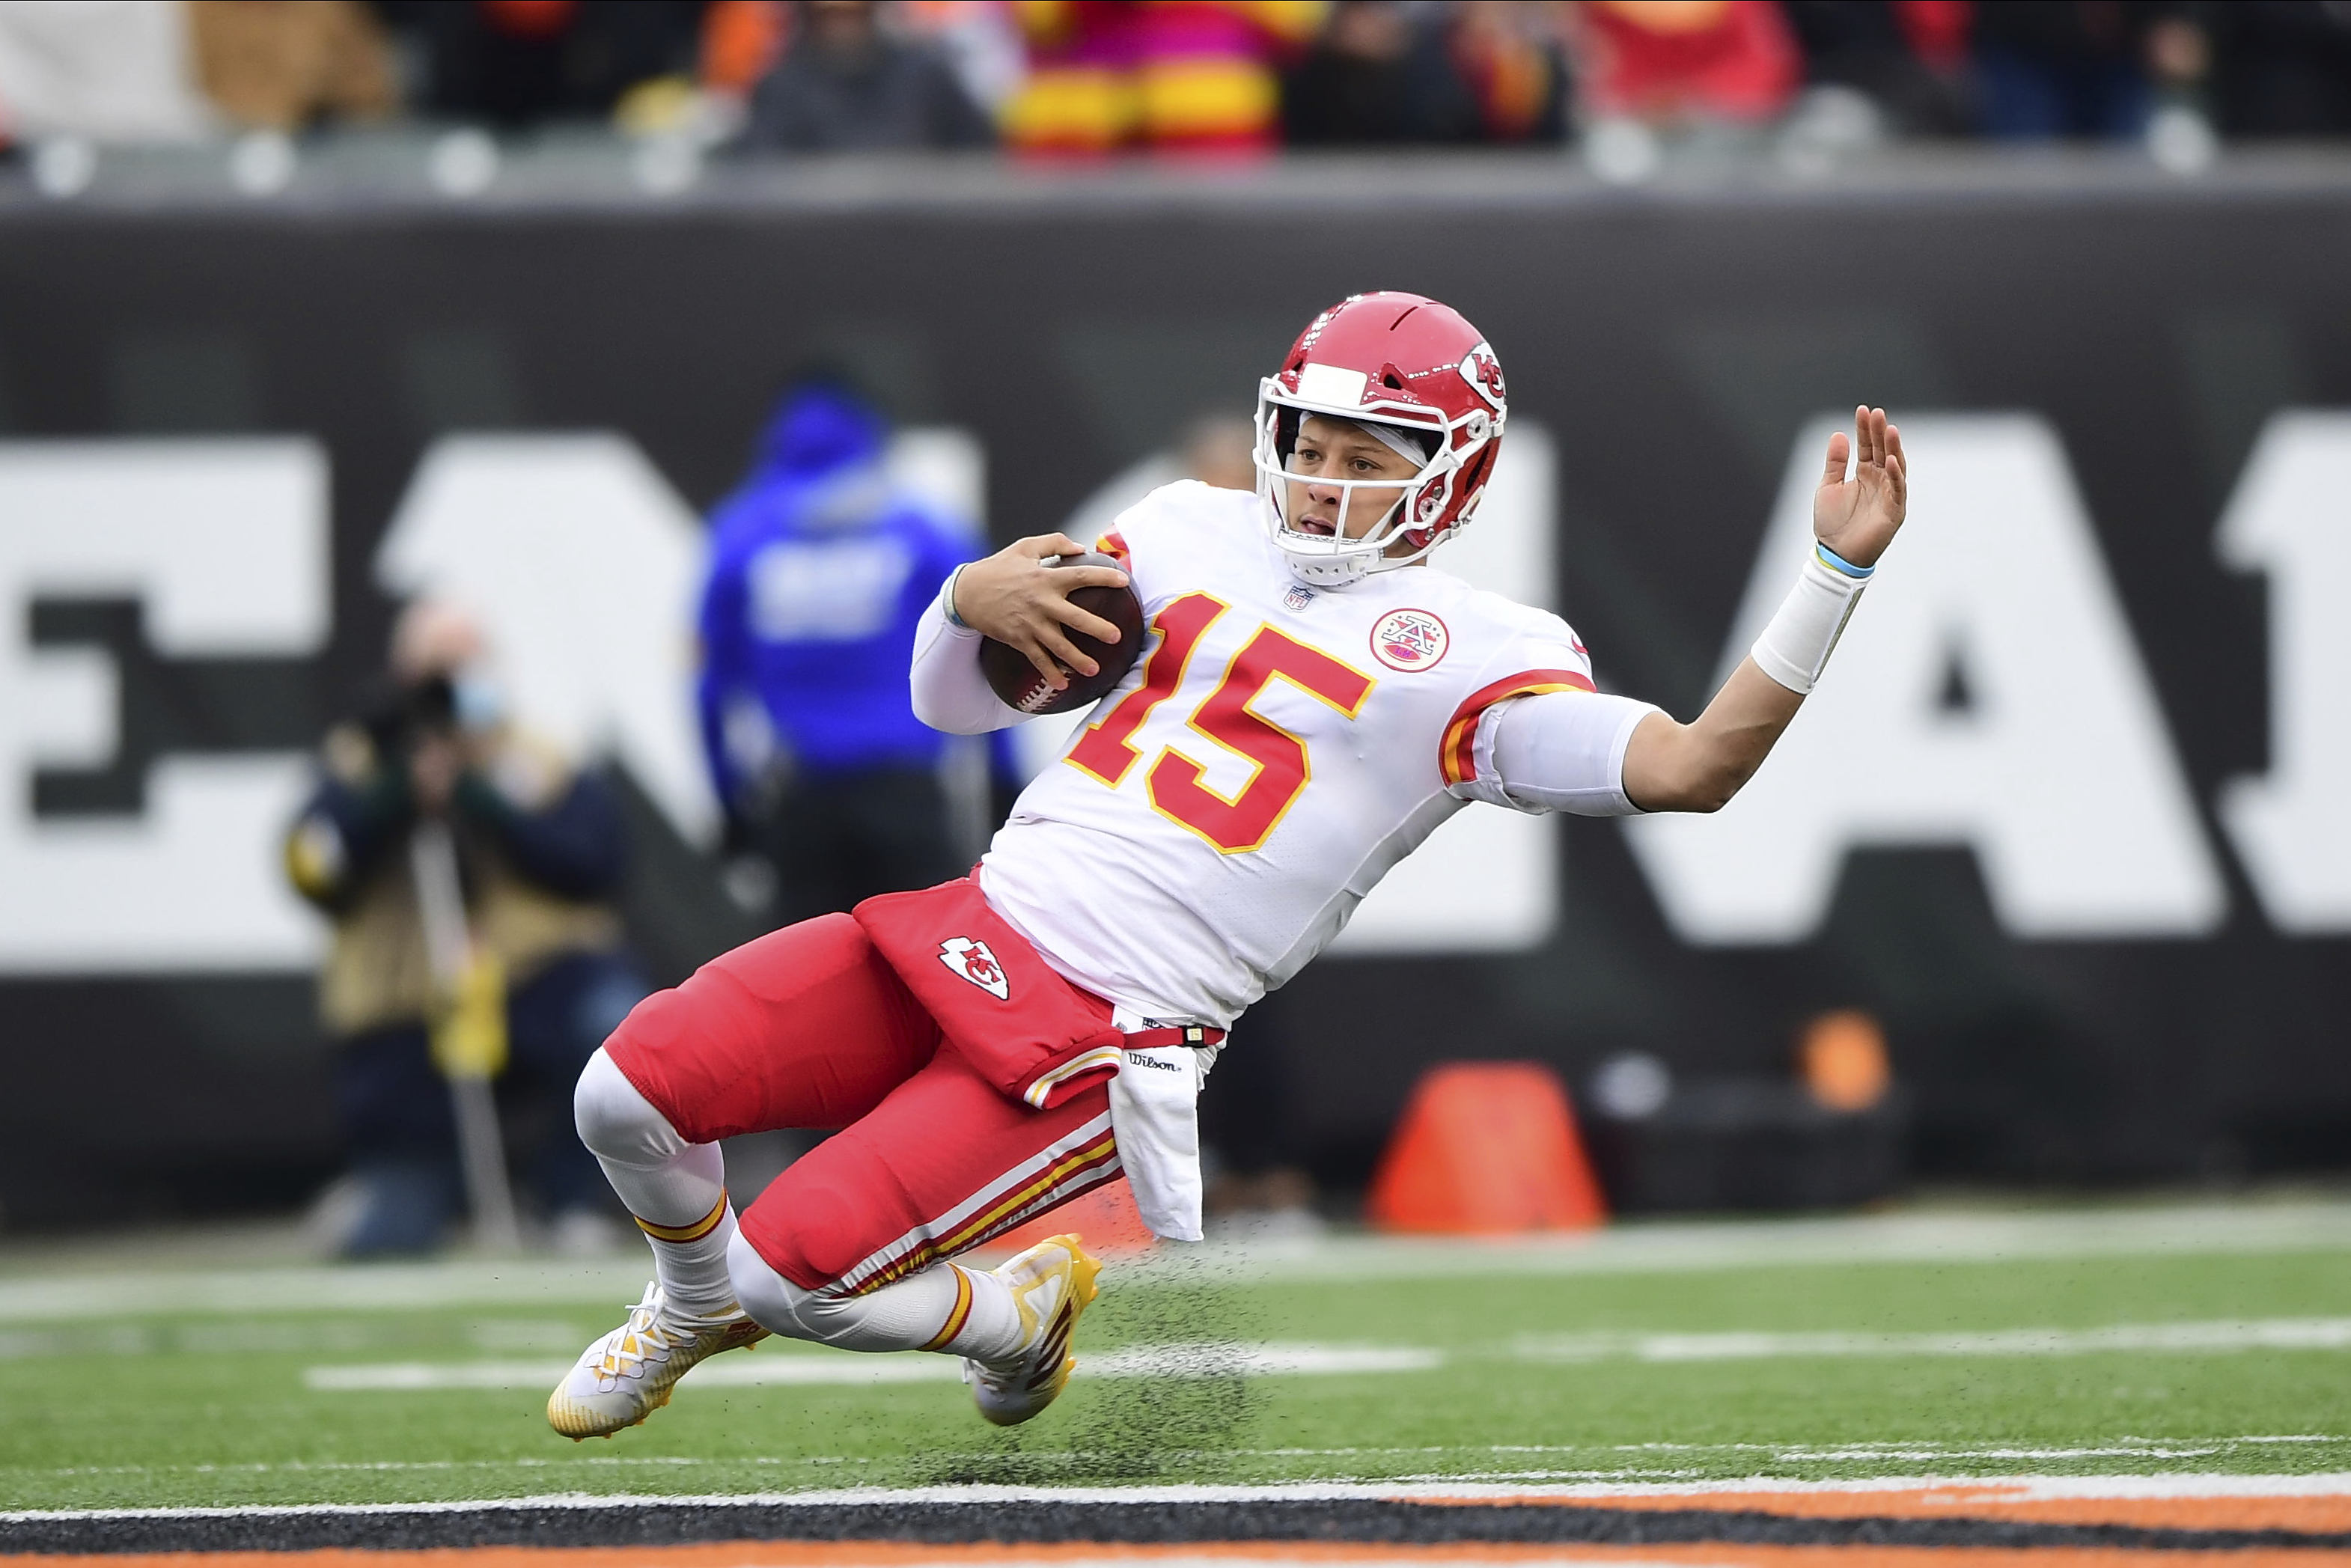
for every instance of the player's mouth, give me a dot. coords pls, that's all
(1321, 528)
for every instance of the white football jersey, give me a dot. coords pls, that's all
(1276, 749)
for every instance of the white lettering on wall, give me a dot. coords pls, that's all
(1987, 694)
(224, 544)
(2291, 516)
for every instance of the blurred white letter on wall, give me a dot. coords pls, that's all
(583, 565)
(2291, 516)
(1988, 693)
(224, 542)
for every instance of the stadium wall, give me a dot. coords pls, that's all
(2077, 837)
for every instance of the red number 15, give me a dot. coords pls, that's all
(1243, 821)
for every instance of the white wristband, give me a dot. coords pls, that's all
(1795, 647)
(946, 599)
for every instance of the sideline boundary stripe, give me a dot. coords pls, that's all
(647, 1522)
(1208, 1555)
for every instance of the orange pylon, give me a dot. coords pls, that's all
(1486, 1148)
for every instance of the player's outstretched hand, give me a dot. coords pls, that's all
(1858, 518)
(1014, 598)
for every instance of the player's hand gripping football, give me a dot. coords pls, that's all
(1014, 598)
(1858, 518)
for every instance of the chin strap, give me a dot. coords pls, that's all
(1327, 571)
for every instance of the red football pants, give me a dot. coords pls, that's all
(807, 1027)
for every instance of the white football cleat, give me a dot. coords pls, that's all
(1053, 1283)
(628, 1375)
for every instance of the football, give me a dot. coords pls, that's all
(1013, 678)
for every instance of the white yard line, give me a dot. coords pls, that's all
(841, 1368)
(2013, 1487)
(1668, 1247)
(1259, 1361)
(2230, 1334)
(845, 1369)
(737, 1372)
(1685, 1246)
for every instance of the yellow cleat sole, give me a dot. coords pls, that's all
(568, 1419)
(581, 1422)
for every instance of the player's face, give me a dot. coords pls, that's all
(1333, 449)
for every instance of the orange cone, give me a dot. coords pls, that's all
(1105, 1218)
(1486, 1148)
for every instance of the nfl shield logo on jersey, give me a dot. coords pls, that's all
(1409, 639)
(971, 959)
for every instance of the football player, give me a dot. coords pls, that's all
(1313, 702)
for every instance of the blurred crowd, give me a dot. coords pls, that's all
(1079, 79)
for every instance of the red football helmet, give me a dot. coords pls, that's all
(1400, 360)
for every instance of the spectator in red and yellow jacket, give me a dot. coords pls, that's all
(1168, 76)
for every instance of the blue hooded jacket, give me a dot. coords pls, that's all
(819, 570)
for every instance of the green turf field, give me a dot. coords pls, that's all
(2141, 1341)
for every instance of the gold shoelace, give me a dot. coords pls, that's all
(631, 1343)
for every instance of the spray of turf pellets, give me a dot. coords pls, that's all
(1159, 1388)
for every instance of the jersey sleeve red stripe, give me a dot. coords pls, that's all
(1457, 756)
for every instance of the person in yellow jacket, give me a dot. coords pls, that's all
(539, 850)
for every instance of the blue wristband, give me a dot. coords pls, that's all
(1829, 559)
(946, 599)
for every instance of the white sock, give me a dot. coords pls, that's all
(946, 1307)
(692, 1268)
(676, 1190)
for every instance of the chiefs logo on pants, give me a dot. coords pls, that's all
(975, 962)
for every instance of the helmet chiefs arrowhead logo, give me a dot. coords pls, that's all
(971, 959)
(1484, 373)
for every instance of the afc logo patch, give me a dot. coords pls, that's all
(971, 959)
(1409, 639)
